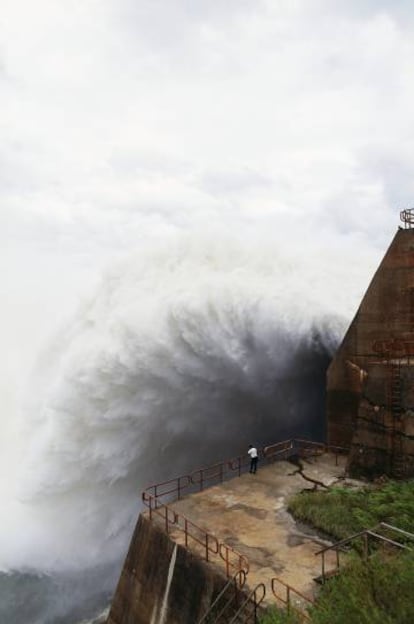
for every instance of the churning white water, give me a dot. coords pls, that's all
(184, 354)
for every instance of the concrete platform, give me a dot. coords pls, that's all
(249, 513)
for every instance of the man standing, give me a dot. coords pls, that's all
(253, 458)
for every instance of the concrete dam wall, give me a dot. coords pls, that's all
(162, 582)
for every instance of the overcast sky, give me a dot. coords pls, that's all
(126, 120)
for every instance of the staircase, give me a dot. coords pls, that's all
(383, 533)
(233, 605)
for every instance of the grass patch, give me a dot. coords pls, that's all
(378, 591)
(277, 616)
(342, 511)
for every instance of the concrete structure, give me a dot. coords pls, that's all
(162, 582)
(165, 581)
(370, 382)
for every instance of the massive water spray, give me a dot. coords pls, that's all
(184, 354)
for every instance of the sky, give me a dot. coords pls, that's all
(124, 122)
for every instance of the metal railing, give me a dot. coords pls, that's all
(208, 545)
(394, 529)
(229, 596)
(293, 600)
(249, 609)
(363, 536)
(407, 217)
(308, 448)
(200, 479)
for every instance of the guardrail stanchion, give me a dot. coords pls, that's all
(366, 550)
(255, 608)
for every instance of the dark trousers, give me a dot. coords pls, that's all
(253, 464)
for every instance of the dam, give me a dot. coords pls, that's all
(221, 528)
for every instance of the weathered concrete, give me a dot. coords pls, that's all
(370, 382)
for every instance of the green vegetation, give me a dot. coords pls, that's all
(277, 616)
(377, 591)
(342, 511)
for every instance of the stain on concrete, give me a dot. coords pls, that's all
(251, 511)
(295, 540)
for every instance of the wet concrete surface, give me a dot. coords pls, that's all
(249, 513)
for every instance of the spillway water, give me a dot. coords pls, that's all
(183, 355)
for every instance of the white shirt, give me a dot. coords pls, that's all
(252, 452)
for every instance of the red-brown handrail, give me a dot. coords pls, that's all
(287, 600)
(279, 449)
(233, 560)
(253, 600)
(223, 602)
(365, 534)
(226, 552)
(201, 478)
(309, 446)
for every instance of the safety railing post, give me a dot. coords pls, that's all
(201, 480)
(366, 537)
(221, 473)
(227, 562)
(236, 593)
(186, 532)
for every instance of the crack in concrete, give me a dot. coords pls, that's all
(297, 462)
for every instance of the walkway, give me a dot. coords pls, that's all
(249, 513)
